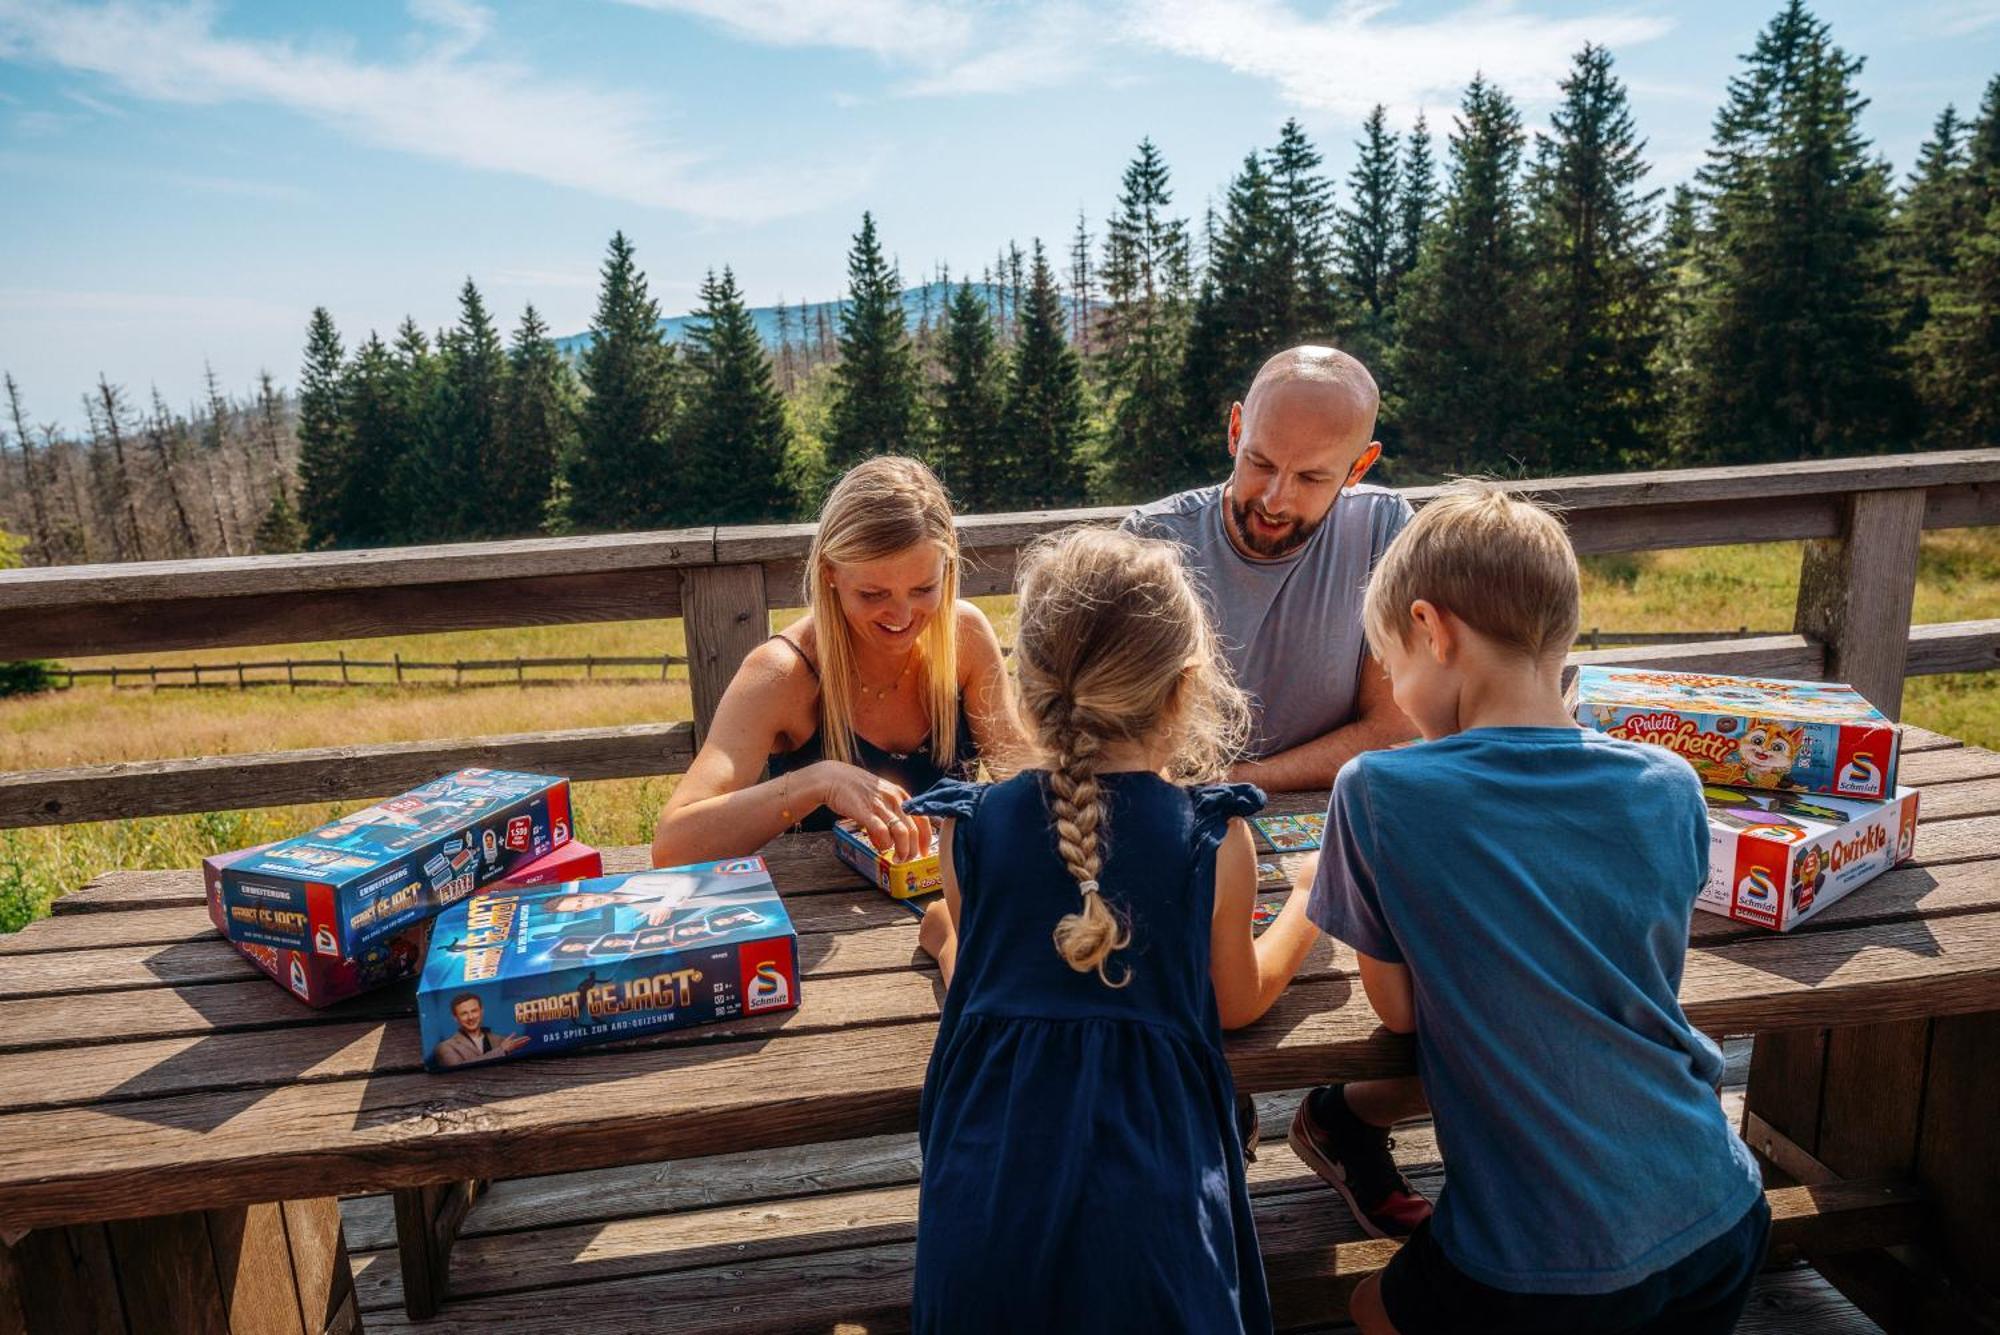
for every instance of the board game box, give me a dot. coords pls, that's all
(1748, 732)
(1775, 859)
(361, 879)
(519, 971)
(321, 980)
(898, 880)
(1288, 834)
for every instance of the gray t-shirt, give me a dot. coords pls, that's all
(1291, 628)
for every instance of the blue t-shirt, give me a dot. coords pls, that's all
(1538, 883)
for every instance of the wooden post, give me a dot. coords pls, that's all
(725, 616)
(197, 676)
(427, 1224)
(240, 683)
(279, 1268)
(520, 674)
(399, 668)
(1856, 591)
(343, 667)
(290, 682)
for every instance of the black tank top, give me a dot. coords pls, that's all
(913, 771)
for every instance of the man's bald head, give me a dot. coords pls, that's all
(1303, 433)
(1325, 382)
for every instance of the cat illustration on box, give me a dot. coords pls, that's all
(1765, 756)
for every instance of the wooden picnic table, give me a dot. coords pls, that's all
(166, 1111)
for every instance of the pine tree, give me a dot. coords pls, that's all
(466, 437)
(1045, 420)
(1674, 354)
(875, 404)
(1596, 279)
(734, 433)
(43, 531)
(1368, 240)
(1417, 202)
(1236, 321)
(373, 410)
(1302, 202)
(324, 461)
(165, 435)
(1794, 322)
(414, 448)
(279, 530)
(1082, 288)
(1956, 351)
(622, 474)
(537, 429)
(1144, 329)
(968, 402)
(1465, 361)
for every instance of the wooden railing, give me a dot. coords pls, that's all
(1863, 518)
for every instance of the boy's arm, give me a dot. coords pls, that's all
(1346, 901)
(1250, 971)
(1389, 992)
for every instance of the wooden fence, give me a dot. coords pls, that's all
(1862, 519)
(400, 671)
(406, 671)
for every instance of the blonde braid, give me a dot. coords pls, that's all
(1086, 938)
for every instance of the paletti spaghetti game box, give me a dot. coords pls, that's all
(1775, 859)
(1748, 732)
(363, 878)
(514, 972)
(321, 980)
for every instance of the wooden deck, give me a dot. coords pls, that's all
(777, 1240)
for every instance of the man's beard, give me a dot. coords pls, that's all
(1284, 544)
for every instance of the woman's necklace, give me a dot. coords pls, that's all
(882, 692)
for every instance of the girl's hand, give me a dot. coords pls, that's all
(877, 805)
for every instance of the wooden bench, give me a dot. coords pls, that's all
(146, 1070)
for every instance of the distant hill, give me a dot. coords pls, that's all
(674, 327)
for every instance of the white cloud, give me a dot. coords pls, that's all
(897, 30)
(444, 102)
(1962, 18)
(950, 47)
(1359, 54)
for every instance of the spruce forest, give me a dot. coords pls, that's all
(1528, 302)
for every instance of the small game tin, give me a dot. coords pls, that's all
(519, 971)
(361, 879)
(1775, 859)
(898, 880)
(1748, 732)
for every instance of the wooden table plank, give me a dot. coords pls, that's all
(606, 1106)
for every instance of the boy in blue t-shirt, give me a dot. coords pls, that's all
(1518, 891)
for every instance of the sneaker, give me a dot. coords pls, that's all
(1246, 1126)
(1354, 1159)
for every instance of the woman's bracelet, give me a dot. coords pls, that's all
(784, 800)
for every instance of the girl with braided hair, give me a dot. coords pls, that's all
(1081, 1163)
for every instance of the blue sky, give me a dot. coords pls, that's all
(186, 181)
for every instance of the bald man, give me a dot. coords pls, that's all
(1282, 551)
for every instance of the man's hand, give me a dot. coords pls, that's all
(1378, 724)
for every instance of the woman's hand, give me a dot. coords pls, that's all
(876, 805)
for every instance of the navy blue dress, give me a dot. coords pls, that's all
(1081, 1163)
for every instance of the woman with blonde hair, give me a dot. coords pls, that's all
(1081, 1167)
(887, 684)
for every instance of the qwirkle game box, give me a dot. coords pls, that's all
(1748, 732)
(1776, 859)
(361, 879)
(515, 972)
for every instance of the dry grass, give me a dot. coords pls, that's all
(1700, 589)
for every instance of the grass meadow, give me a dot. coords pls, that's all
(1717, 588)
